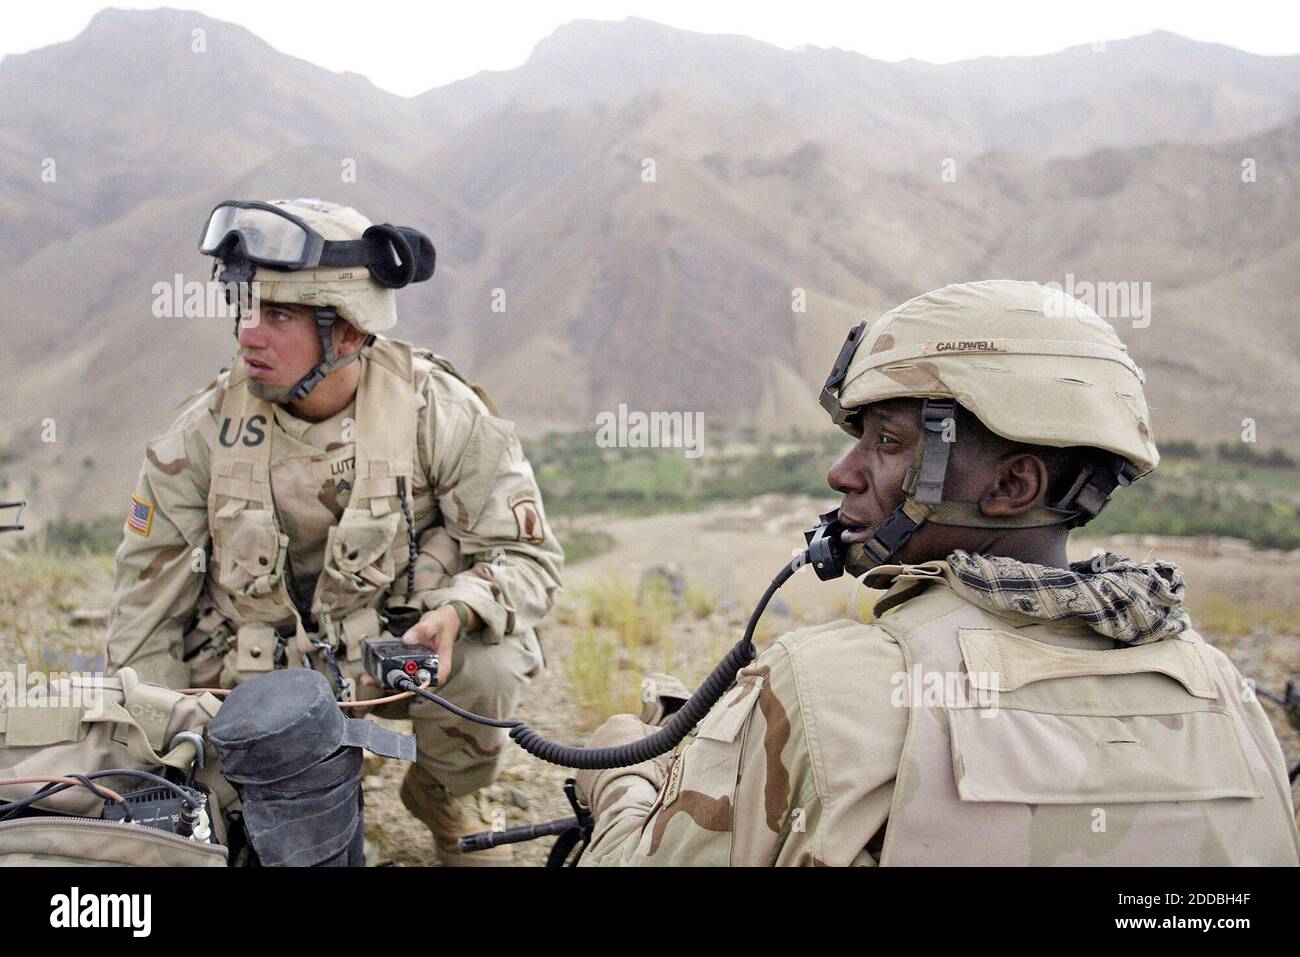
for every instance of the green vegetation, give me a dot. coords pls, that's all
(63, 536)
(579, 478)
(1242, 452)
(1229, 489)
(581, 544)
(1192, 502)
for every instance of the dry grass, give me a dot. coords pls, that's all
(1220, 615)
(619, 636)
(700, 602)
(636, 620)
(38, 591)
(601, 686)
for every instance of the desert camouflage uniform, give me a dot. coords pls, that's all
(1045, 745)
(201, 591)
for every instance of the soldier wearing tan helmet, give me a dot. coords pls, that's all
(337, 485)
(1005, 706)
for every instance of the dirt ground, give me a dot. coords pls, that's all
(1244, 601)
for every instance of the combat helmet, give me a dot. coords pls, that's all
(317, 254)
(1032, 364)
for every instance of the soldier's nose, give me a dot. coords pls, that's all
(252, 335)
(845, 476)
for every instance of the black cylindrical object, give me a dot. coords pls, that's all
(296, 762)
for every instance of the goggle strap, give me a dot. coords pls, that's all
(847, 351)
(344, 252)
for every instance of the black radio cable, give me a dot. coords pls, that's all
(189, 797)
(651, 746)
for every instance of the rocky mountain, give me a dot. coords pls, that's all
(650, 206)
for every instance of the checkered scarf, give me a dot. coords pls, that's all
(1130, 602)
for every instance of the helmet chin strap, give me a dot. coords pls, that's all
(237, 276)
(924, 502)
(325, 319)
(923, 487)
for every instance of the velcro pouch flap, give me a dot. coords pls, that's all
(253, 543)
(38, 727)
(1001, 661)
(728, 716)
(361, 539)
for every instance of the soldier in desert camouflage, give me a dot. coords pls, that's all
(1005, 706)
(332, 486)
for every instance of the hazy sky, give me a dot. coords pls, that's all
(407, 47)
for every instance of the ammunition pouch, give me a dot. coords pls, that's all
(204, 646)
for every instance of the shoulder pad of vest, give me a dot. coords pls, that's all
(915, 602)
(207, 399)
(445, 364)
(396, 356)
(440, 362)
(847, 626)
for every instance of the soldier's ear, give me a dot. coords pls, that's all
(1020, 481)
(350, 338)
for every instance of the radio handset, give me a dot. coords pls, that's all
(825, 553)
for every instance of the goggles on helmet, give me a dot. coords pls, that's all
(266, 235)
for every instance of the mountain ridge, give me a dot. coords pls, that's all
(676, 291)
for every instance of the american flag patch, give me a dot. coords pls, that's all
(139, 517)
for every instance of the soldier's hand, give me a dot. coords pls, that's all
(437, 631)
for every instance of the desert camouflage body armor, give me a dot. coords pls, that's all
(1061, 750)
(366, 552)
(244, 501)
(1047, 745)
